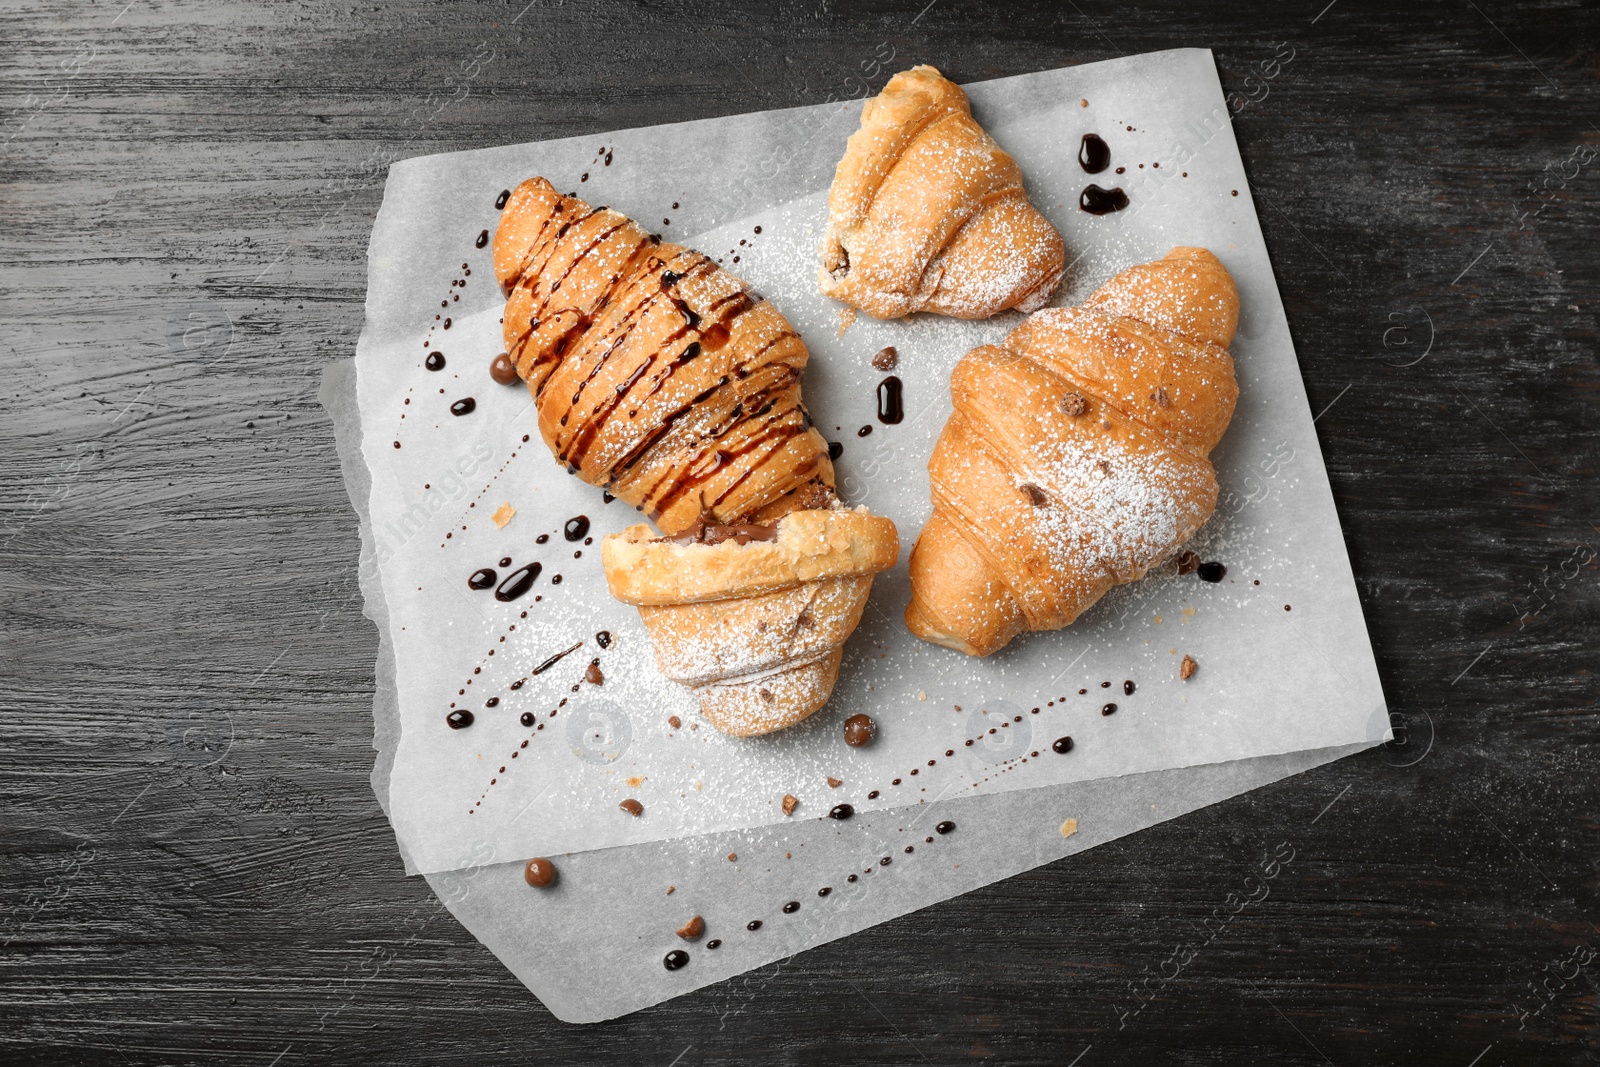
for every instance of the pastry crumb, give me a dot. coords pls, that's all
(921, 695)
(733, 857)
(693, 929)
(636, 780)
(847, 319)
(674, 722)
(671, 889)
(790, 802)
(1187, 668)
(503, 514)
(1074, 404)
(1069, 827)
(834, 783)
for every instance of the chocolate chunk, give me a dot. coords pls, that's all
(733, 857)
(1036, 496)
(693, 930)
(1187, 668)
(593, 675)
(886, 358)
(502, 370)
(790, 802)
(632, 807)
(859, 730)
(1074, 405)
(540, 873)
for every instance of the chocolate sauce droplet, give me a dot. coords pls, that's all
(435, 361)
(1094, 155)
(753, 924)
(944, 827)
(1109, 709)
(527, 718)
(1211, 572)
(835, 450)
(517, 582)
(541, 539)
(1128, 688)
(714, 943)
(505, 561)
(675, 959)
(865, 431)
(483, 239)
(1098, 201)
(825, 890)
(576, 528)
(500, 201)
(482, 578)
(465, 406)
(891, 406)
(1062, 745)
(492, 702)
(791, 907)
(841, 811)
(459, 719)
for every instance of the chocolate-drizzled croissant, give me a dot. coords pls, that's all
(1077, 456)
(657, 375)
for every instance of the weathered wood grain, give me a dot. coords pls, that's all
(194, 869)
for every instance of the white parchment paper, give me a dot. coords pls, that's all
(1286, 664)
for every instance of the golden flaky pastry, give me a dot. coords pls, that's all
(928, 213)
(756, 629)
(1077, 454)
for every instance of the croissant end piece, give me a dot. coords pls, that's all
(657, 375)
(1077, 454)
(756, 630)
(928, 213)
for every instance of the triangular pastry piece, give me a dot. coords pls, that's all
(928, 213)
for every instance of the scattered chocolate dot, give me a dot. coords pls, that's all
(1109, 709)
(1211, 572)
(865, 431)
(791, 907)
(675, 959)
(886, 358)
(435, 361)
(693, 930)
(859, 730)
(825, 890)
(944, 827)
(1063, 745)
(539, 873)
(502, 370)
(632, 807)
(1128, 687)
(603, 638)
(1105, 685)
(674, 722)
(872, 795)
(500, 201)
(459, 719)
(851, 878)
(841, 811)
(482, 578)
(465, 406)
(527, 718)
(885, 861)
(1187, 668)
(753, 924)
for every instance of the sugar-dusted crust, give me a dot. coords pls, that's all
(755, 630)
(928, 213)
(1077, 454)
(812, 545)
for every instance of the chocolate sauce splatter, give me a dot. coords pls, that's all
(483, 239)
(517, 582)
(435, 361)
(459, 719)
(465, 406)
(1094, 155)
(891, 405)
(1098, 201)
(676, 958)
(576, 528)
(500, 201)
(482, 578)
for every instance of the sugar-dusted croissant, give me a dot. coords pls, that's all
(753, 618)
(657, 375)
(927, 213)
(1076, 457)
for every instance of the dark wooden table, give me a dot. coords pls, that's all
(194, 869)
